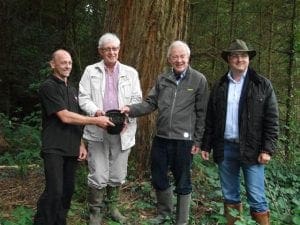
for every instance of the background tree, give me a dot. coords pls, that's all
(146, 29)
(30, 32)
(32, 29)
(291, 75)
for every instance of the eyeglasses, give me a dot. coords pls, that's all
(177, 57)
(239, 55)
(114, 49)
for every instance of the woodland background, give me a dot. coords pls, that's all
(32, 29)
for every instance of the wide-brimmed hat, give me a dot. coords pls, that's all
(238, 46)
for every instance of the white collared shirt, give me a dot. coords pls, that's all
(233, 99)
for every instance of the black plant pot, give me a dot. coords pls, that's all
(118, 119)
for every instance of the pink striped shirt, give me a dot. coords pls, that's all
(110, 100)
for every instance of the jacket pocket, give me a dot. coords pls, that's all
(255, 111)
(125, 91)
(95, 83)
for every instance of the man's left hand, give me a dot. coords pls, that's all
(264, 158)
(195, 150)
(82, 152)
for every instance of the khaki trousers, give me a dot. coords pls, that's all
(107, 162)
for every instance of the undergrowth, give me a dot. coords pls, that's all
(138, 201)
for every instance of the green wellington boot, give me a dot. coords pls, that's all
(113, 196)
(95, 200)
(164, 206)
(183, 209)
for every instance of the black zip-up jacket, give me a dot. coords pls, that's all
(258, 118)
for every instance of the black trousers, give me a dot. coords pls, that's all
(55, 201)
(174, 155)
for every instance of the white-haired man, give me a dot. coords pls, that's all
(104, 86)
(180, 95)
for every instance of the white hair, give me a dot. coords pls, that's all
(108, 37)
(178, 44)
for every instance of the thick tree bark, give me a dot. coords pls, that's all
(146, 29)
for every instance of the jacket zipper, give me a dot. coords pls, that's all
(172, 109)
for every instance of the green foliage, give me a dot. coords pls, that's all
(23, 139)
(296, 212)
(20, 216)
(282, 187)
(81, 183)
(30, 39)
(78, 211)
(283, 191)
(290, 144)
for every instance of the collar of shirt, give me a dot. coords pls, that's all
(232, 114)
(110, 100)
(60, 81)
(179, 77)
(115, 70)
(229, 75)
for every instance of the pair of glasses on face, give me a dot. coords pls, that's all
(112, 49)
(178, 57)
(239, 55)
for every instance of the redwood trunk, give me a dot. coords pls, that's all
(146, 29)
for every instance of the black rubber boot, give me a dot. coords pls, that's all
(95, 199)
(164, 206)
(113, 196)
(183, 209)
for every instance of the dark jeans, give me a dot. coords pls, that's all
(176, 155)
(54, 203)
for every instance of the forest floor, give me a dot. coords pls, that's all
(19, 189)
(23, 188)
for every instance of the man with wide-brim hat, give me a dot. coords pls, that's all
(238, 46)
(241, 130)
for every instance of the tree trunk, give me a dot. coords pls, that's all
(215, 40)
(270, 44)
(232, 20)
(146, 29)
(291, 81)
